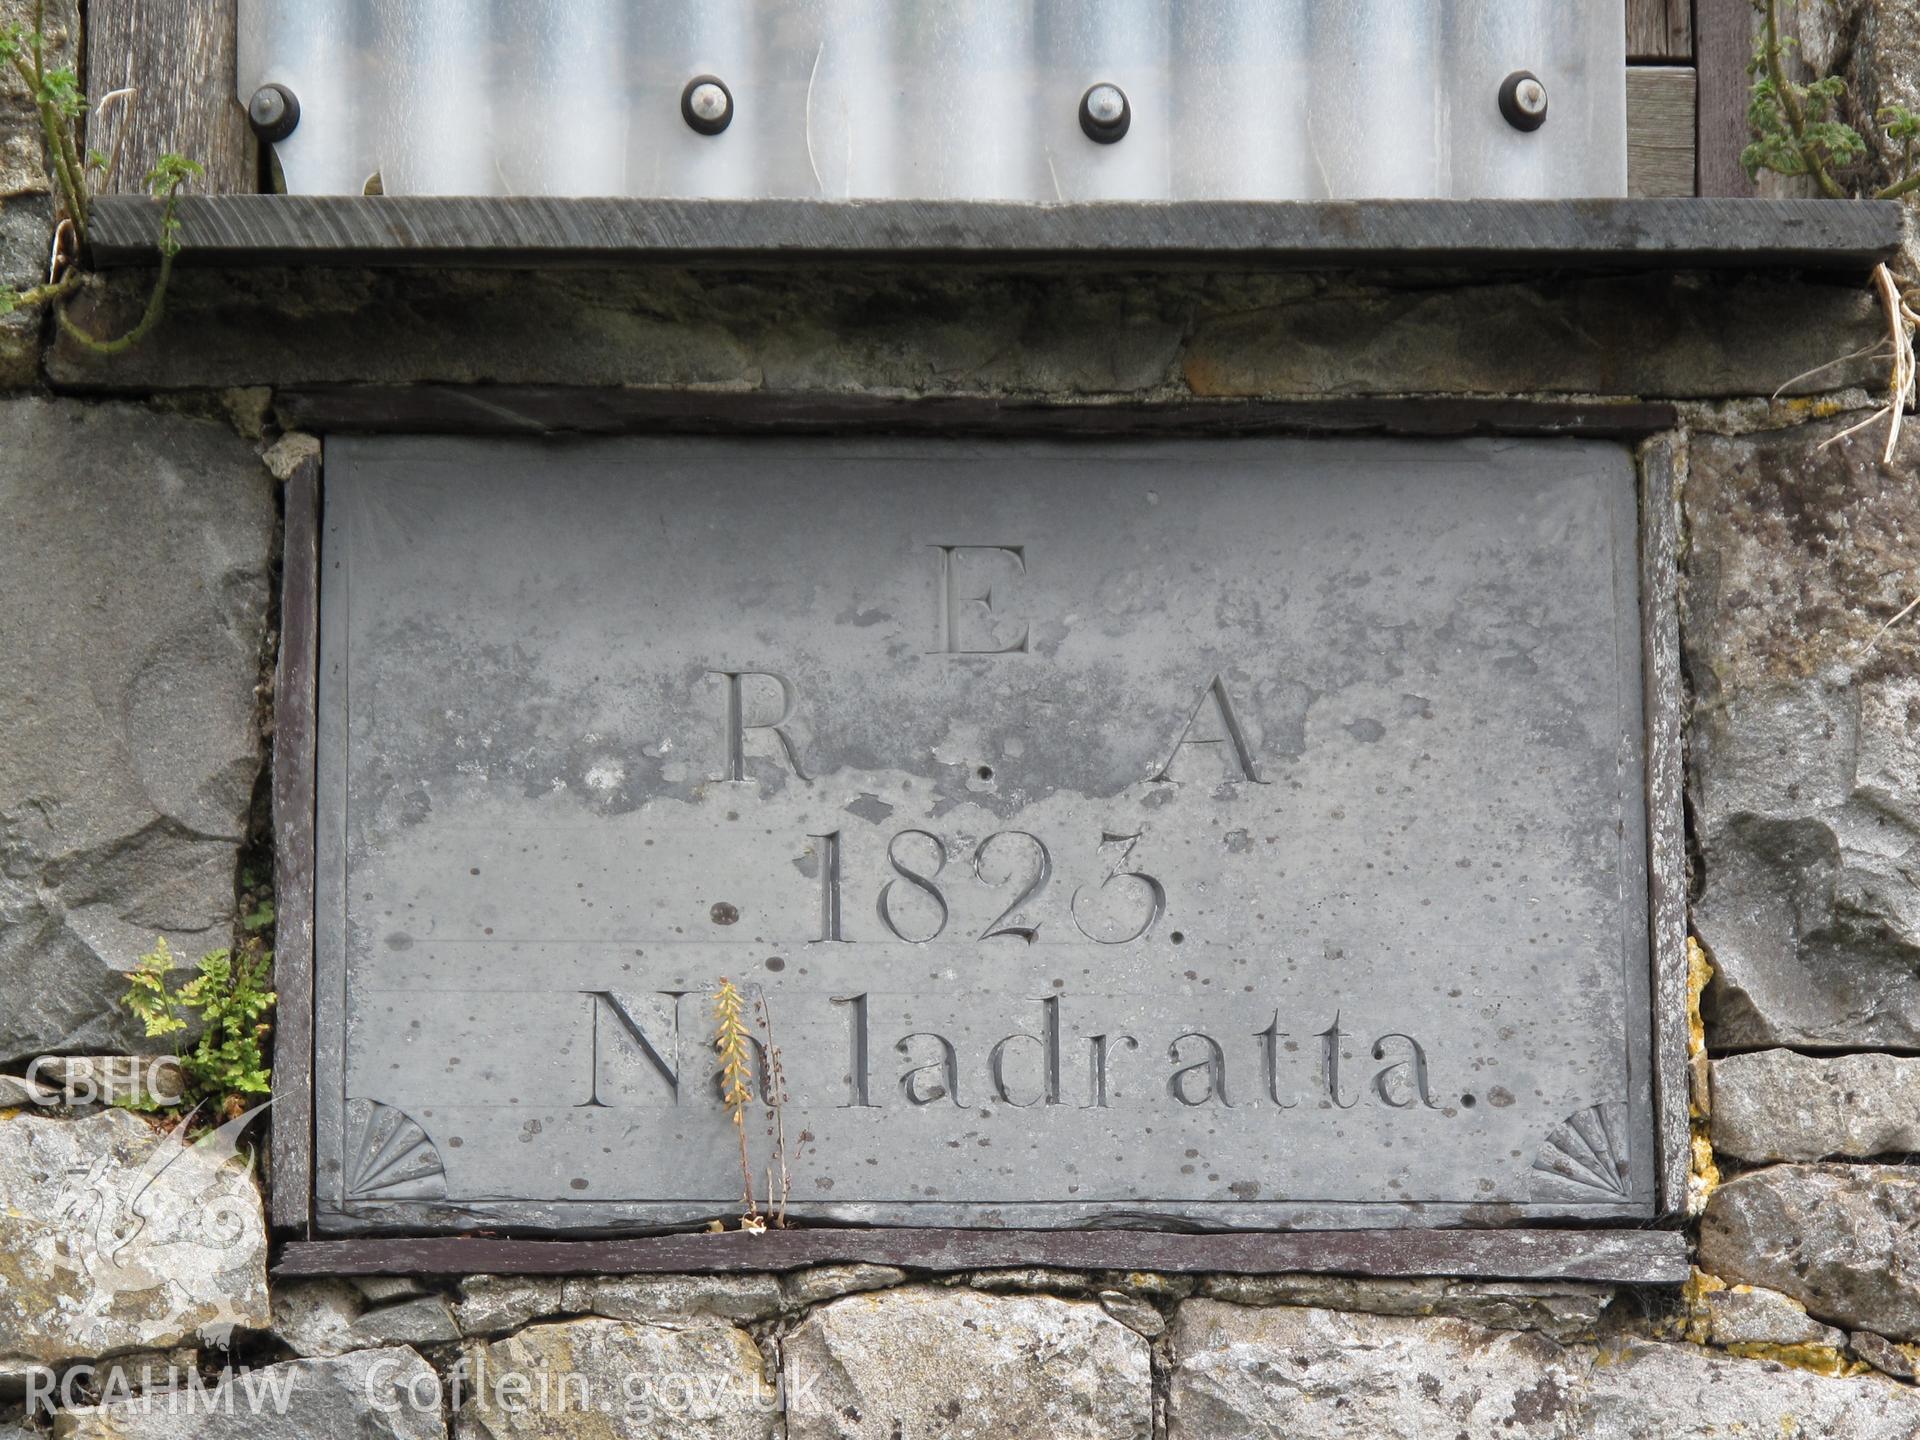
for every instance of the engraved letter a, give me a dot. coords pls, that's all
(1233, 735)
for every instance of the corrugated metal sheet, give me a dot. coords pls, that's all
(957, 99)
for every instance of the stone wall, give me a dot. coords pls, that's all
(136, 589)
(136, 580)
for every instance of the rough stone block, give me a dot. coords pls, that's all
(332, 1317)
(116, 1238)
(1137, 1315)
(830, 1282)
(1749, 1316)
(1881, 1353)
(1149, 1284)
(678, 1300)
(385, 1289)
(1562, 1309)
(371, 1395)
(1032, 1278)
(1007, 332)
(26, 224)
(1782, 1105)
(114, 1079)
(1326, 1375)
(1805, 775)
(1637, 335)
(619, 1381)
(138, 1373)
(423, 1320)
(133, 574)
(922, 1362)
(17, 1092)
(19, 349)
(496, 1304)
(315, 1317)
(1843, 1240)
(921, 330)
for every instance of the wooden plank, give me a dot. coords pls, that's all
(1660, 30)
(1666, 819)
(529, 231)
(1649, 1257)
(1723, 47)
(1660, 130)
(181, 58)
(555, 409)
(291, 1172)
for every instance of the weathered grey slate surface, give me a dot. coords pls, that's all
(521, 230)
(1241, 832)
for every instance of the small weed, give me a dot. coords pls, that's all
(1800, 130)
(735, 1041)
(736, 1085)
(57, 100)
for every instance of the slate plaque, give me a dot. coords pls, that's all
(1238, 832)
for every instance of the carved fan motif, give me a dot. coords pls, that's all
(1585, 1158)
(389, 1157)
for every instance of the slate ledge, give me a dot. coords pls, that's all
(426, 408)
(1643, 1257)
(525, 230)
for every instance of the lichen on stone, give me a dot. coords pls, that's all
(1817, 1359)
(1694, 1321)
(1703, 1175)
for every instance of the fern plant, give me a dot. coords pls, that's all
(229, 997)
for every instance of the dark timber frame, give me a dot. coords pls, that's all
(1656, 1256)
(294, 732)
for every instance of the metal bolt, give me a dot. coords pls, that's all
(273, 112)
(1523, 100)
(1105, 113)
(706, 105)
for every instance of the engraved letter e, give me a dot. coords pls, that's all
(951, 599)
